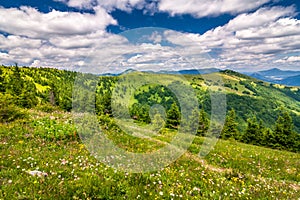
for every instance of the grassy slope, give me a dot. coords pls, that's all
(248, 96)
(263, 99)
(46, 142)
(264, 102)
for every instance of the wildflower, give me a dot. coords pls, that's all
(63, 161)
(161, 193)
(37, 173)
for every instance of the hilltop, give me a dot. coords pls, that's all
(248, 96)
(47, 88)
(39, 134)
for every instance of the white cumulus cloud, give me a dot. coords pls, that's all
(203, 8)
(109, 5)
(29, 22)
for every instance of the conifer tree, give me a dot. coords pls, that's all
(2, 86)
(203, 123)
(254, 132)
(157, 119)
(173, 116)
(28, 96)
(230, 126)
(284, 130)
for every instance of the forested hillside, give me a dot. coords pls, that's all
(273, 110)
(44, 155)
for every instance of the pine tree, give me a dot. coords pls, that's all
(254, 132)
(203, 123)
(28, 96)
(284, 130)
(16, 83)
(157, 119)
(230, 126)
(2, 85)
(173, 116)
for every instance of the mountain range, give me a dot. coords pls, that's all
(183, 72)
(277, 76)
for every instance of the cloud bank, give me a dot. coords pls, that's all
(257, 37)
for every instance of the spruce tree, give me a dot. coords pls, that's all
(157, 119)
(254, 132)
(230, 126)
(2, 85)
(284, 130)
(203, 123)
(173, 116)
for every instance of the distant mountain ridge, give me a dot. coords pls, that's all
(278, 72)
(183, 72)
(284, 77)
(191, 71)
(293, 81)
(275, 75)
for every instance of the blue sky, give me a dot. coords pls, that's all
(242, 35)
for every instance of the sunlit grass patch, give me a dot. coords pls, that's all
(232, 170)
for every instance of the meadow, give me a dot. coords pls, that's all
(48, 142)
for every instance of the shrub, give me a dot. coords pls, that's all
(8, 111)
(47, 108)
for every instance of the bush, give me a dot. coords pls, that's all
(8, 111)
(48, 108)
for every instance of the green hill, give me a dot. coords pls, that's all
(49, 143)
(38, 134)
(45, 88)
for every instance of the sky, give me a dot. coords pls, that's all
(104, 36)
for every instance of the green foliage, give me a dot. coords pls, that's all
(103, 104)
(28, 97)
(254, 133)
(230, 126)
(284, 136)
(47, 107)
(203, 123)
(51, 89)
(230, 72)
(140, 112)
(173, 116)
(232, 170)
(248, 86)
(157, 119)
(20, 83)
(151, 95)
(8, 111)
(284, 128)
(262, 108)
(52, 130)
(295, 94)
(2, 84)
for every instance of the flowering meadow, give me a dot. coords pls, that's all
(42, 157)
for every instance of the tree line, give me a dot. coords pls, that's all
(48, 89)
(282, 136)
